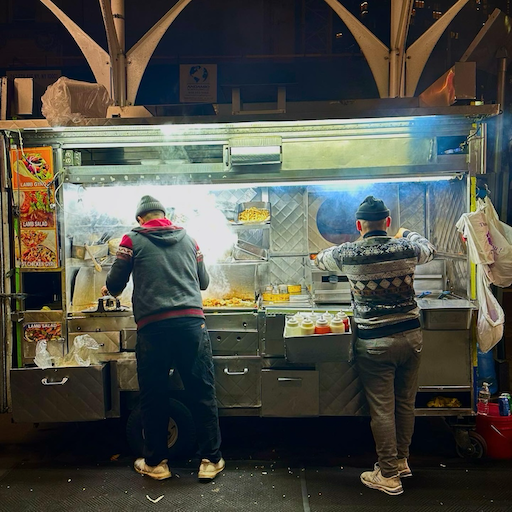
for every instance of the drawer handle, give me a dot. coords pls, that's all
(45, 382)
(227, 372)
(288, 379)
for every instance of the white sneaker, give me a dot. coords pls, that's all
(159, 472)
(375, 480)
(403, 468)
(208, 470)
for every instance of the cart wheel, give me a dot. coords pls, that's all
(475, 448)
(181, 431)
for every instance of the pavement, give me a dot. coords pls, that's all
(308, 465)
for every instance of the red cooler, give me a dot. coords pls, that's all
(497, 432)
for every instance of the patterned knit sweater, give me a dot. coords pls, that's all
(380, 270)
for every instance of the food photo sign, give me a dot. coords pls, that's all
(34, 195)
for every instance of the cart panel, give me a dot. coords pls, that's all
(61, 394)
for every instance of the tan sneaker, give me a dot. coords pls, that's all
(160, 472)
(208, 470)
(403, 468)
(375, 480)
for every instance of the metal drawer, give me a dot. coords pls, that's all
(127, 374)
(238, 381)
(273, 344)
(109, 341)
(101, 323)
(63, 394)
(318, 348)
(232, 321)
(128, 339)
(289, 393)
(445, 359)
(226, 343)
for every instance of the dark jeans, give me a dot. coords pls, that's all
(388, 369)
(184, 344)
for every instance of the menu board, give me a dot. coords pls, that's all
(34, 195)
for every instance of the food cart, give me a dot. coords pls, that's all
(260, 198)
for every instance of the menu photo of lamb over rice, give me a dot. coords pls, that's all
(37, 248)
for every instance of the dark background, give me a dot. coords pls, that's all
(300, 43)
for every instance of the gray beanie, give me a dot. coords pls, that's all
(372, 209)
(148, 204)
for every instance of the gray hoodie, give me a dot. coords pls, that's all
(167, 269)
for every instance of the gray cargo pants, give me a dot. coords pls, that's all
(388, 368)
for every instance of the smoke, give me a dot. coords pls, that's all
(94, 210)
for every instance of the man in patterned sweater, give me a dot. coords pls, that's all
(168, 276)
(388, 346)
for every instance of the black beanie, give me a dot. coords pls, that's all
(372, 209)
(148, 204)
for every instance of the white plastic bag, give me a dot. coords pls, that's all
(489, 242)
(43, 358)
(474, 229)
(490, 314)
(83, 352)
(67, 102)
(501, 241)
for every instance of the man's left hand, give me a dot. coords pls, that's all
(104, 291)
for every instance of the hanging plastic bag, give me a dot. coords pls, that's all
(474, 229)
(489, 242)
(500, 237)
(43, 358)
(490, 314)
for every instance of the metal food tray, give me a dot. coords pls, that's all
(445, 314)
(240, 207)
(212, 309)
(245, 251)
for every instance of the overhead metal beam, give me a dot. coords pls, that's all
(374, 50)
(97, 58)
(400, 20)
(138, 56)
(419, 51)
(116, 54)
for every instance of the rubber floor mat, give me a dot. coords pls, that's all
(450, 490)
(116, 486)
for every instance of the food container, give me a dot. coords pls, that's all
(113, 245)
(80, 251)
(445, 314)
(294, 289)
(255, 212)
(299, 298)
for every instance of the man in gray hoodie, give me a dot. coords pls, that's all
(168, 275)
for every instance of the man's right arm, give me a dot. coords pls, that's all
(119, 274)
(329, 259)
